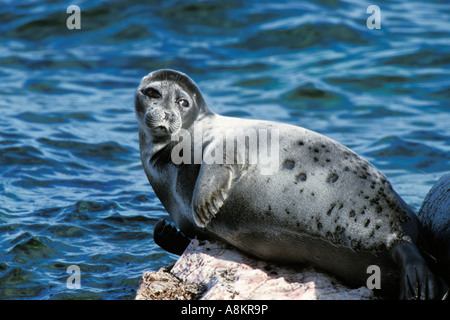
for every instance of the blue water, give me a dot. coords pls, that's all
(72, 189)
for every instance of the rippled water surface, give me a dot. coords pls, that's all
(72, 189)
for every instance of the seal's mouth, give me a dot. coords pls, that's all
(160, 130)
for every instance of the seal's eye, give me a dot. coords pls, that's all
(183, 103)
(152, 93)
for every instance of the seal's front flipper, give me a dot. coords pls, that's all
(169, 238)
(211, 191)
(417, 281)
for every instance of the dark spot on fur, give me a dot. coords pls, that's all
(301, 190)
(319, 226)
(287, 211)
(341, 206)
(379, 209)
(339, 230)
(312, 193)
(366, 223)
(301, 177)
(323, 146)
(316, 150)
(374, 201)
(332, 178)
(352, 213)
(331, 209)
(346, 169)
(328, 160)
(300, 143)
(289, 164)
(315, 159)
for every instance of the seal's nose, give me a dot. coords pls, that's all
(161, 115)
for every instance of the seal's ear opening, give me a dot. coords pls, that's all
(185, 82)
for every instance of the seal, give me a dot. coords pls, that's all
(435, 215)
(312, 201)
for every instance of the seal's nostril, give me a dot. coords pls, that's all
(166, 115)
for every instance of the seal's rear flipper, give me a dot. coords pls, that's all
(169, 238)
(417, 281)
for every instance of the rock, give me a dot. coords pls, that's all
(215, 271)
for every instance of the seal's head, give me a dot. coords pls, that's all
(167, 100)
